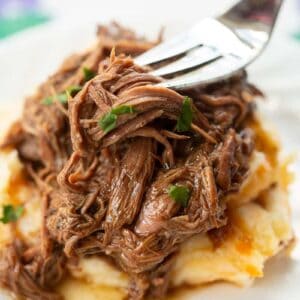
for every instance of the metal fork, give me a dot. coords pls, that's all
(215, 48)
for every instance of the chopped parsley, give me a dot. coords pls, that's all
(180, 194)
(88, 74)
(108, 121)
(74, 89)
(186, 116)
(11, 213)
(123, 109)
(63, 97)
(47, 100)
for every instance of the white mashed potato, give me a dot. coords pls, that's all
(259, 230)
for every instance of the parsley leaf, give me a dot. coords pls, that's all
(74, 89)
(62, 98)
(47, 101)
(88, 74)
(186, 116)
(180, 194)
(123, 109)
(108, 121)
(11, 214)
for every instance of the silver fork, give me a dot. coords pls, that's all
(215, 48)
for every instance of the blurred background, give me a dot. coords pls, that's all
(35, 35)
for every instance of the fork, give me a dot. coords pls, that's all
(215, 48)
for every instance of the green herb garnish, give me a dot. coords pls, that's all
(123, 109)
(180, 194)
(108, 121)
(73, 90)
(62, 98)
(186, 116)
(11, 213)
(47, 101)
(88, 74)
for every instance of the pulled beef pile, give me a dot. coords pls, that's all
(121, 169)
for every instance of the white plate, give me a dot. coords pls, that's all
(28, 58)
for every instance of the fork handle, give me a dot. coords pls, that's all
(263, 11)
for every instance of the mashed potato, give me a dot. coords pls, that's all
(259, 227)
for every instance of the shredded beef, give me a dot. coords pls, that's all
(27, 273)
(106, 192)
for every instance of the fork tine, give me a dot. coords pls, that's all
(193, 58)
(239, 35)
(173, 47)
(194, 37)
(219, 69)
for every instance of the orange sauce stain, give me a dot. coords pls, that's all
(243, 241)
(17, 183)
(253, 271)
(244, 245)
